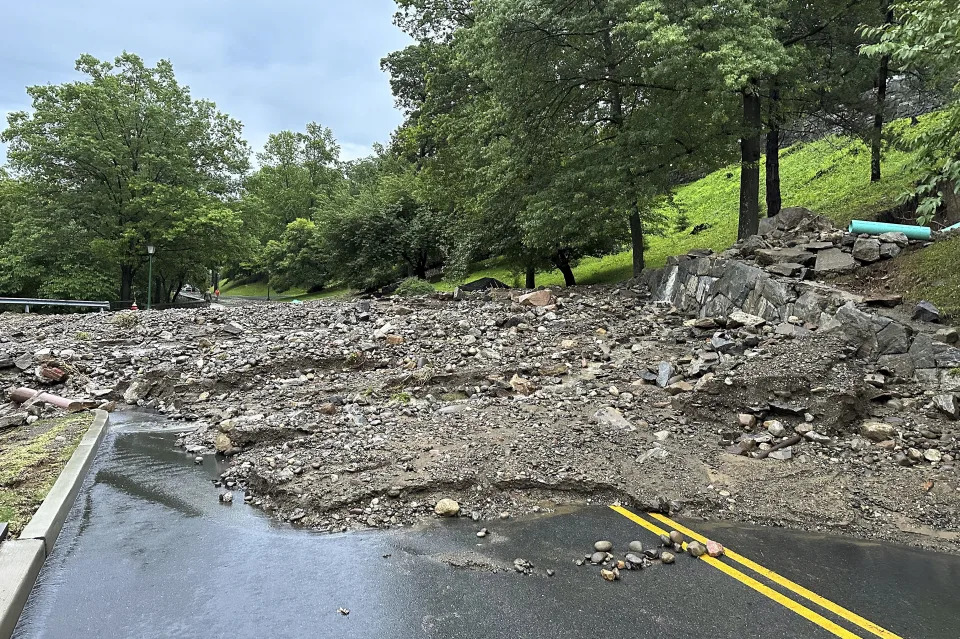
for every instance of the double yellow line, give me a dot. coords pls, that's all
(765, 590)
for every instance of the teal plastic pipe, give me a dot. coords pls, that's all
(876, 228)
(955, 227)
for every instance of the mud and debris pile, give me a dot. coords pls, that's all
(346, 414)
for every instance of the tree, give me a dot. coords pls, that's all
(120, 154)
(926, 34)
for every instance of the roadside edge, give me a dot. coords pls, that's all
(22, 558)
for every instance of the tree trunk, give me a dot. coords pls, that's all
(750, 167)
(883, 74)
(420, 270)
(531, 279)
(774, 198)
(636, 239)
(560, 260)
(126, 282)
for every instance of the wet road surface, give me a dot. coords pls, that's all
(148, 551)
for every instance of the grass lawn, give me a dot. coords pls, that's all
(31, 458)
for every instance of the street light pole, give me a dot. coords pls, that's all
(150, 250)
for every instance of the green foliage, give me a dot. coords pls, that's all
(111, 163)
(830, 176)
(298, 258)
(414, 287)
(926, 36)
(933, 274)
(126, 320)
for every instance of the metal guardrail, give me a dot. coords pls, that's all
(27, 302)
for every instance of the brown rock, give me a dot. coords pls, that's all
(538, 298)
(714, 549)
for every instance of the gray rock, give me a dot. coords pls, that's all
(948, 405)
(775, 428)
(889, 251)
(926, 312)
(664, 373)
(900, 239)
(783, 454)
(866, 249)
(696, 549)
(893, 339)
(603, 546)
(598, 557)
(922, 352)
(947, 357)
(948, 335)
(768, 257)
(932, 455)
(834, 262)
(786, 269)
(636, 546)
(667, 557)
(858, 329)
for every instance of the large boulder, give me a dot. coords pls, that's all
(858, 328)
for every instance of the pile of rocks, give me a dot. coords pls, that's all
(637, 557)
(798, 243)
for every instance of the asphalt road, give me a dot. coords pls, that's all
(149, 552)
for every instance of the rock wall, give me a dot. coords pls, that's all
(714, 286)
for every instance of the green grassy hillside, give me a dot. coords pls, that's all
(830, 176)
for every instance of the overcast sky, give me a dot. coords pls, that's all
(273, 65)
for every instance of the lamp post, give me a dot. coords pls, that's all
(150, 249)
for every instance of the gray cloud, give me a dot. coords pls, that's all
(273, 66)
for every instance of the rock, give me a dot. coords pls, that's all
(610, 416)
(598, 557)
(866, 249)
(664, 373)
(932, 455)
(222, 443)
(226, 497)
(637, 561)
(893, 339)
(676, 537)
(522, 566)
(550, 572)
(948, 405)
(948, 335)
(889, 251)
(483, 532)
(198, 459)
(538, 298)
(696, 549)
(747, 421)
(783, 454)
(739, 318)
(914, 455)
(834, 262)
(447, 508)
(926, 312)
(603, 546)
(775, 428)
(667, 557)
(327, 408)
(786, 269)
(898, 238)
(715, 549)
(522, 385)
(679, 387)
(635, 546)
(883, 300)
(394, 340)
(609, 575)
(877, 431)
(799, 257)
(875, 379)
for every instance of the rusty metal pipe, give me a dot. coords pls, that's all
(28, 397)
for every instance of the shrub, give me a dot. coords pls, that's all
(414, 287)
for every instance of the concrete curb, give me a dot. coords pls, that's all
(20, 563)
(48, 520)
(21, 559)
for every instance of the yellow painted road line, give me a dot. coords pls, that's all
(750, 582)
(796, 588)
